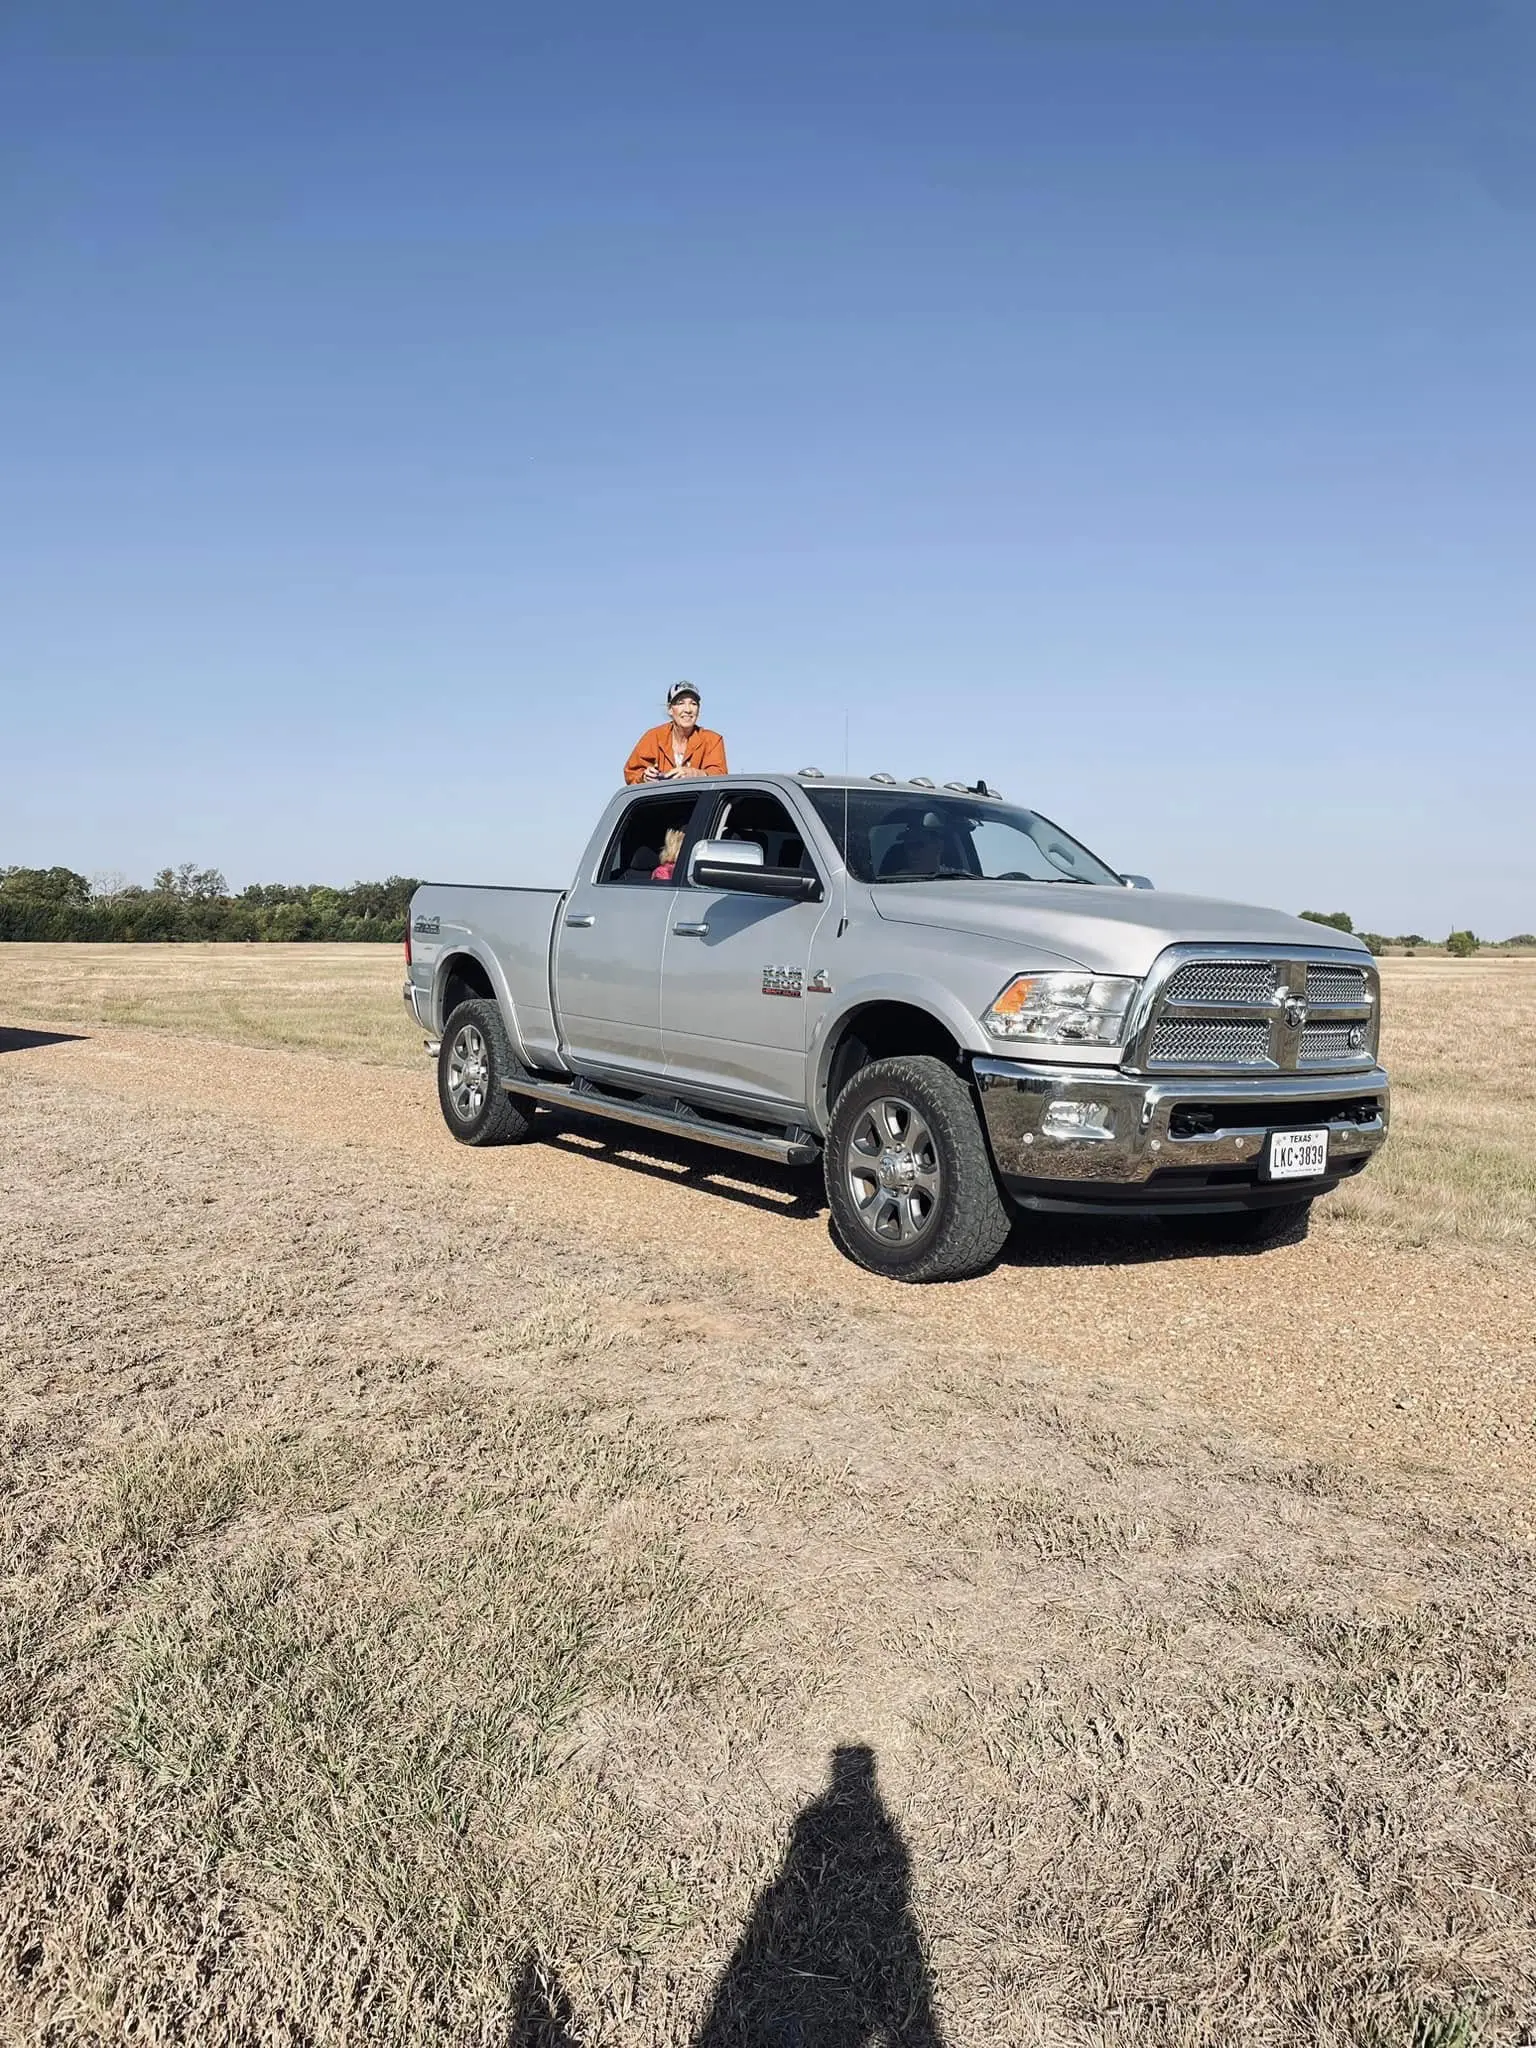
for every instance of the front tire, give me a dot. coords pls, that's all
(1282, 1223)
(473, 1061)
(909, 1179)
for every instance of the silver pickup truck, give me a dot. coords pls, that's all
(947, 999)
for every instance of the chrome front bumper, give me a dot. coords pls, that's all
(1130, 1149)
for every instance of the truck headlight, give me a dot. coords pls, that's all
(1063, 1009)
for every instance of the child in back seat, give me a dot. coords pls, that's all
(671, 847)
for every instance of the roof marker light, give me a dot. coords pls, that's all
(881, 776)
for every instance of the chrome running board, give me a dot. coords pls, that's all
(677, 1119)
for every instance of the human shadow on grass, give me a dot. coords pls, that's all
(541, 2012)
(14, 1039)
(831, 1956)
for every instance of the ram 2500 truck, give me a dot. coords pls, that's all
(951, 1002)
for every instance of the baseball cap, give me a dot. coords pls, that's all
(682, 690)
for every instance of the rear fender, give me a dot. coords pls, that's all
(464, 946)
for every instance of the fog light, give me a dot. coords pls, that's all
(1077, 1120)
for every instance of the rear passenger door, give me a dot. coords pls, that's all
(736, 982)
(609, 944)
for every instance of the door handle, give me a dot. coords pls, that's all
(691, 931)
(581, 923)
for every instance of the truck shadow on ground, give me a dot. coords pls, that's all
(798, 1193)
(14, 1039)
(831, 1956)
(794, 1191)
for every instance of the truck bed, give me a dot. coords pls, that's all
(508, 930)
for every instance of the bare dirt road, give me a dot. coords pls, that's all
(1345, 1345)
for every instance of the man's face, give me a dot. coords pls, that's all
(924, 849)
(685, 713)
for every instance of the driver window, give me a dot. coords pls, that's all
(640, 845)
(920, 840)
(758, 817)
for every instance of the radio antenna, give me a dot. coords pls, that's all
(842, 925)
(844, 801)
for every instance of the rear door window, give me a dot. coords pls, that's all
(643, 839)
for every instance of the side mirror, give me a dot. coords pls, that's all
(727, 853)
(738, 864)
(1137, 882)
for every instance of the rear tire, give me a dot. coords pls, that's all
(910, 1182)
(475, 1058)
(1285, 1223)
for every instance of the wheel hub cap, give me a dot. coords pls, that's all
(897, 1170)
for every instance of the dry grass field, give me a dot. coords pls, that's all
(341, 1000)
(549, 1597)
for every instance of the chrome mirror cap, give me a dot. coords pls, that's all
(1137, 882)
(728, 853)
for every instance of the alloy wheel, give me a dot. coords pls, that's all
(469, 1073)
(892, 1167)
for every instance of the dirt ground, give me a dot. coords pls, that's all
(550, 1595)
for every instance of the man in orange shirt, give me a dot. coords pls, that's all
(680, 749)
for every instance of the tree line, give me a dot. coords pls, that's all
(1460, 944)
(190, 902)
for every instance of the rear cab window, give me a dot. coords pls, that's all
(638, 846)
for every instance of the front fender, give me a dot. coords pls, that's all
(917, 992)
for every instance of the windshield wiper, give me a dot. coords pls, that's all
(934, 875)
(965, 875)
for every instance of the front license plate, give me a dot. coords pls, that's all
(1297, 1155)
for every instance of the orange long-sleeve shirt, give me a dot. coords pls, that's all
(705, 754)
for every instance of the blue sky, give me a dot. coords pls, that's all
(1128, 401)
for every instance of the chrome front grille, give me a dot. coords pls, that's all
(1209, 1042)
(1329, 1042)
(1329, 984)
(1222, 981)
(1278, 1011)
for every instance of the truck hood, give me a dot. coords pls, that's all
(1112, 931)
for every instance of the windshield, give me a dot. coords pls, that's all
(906, 836)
